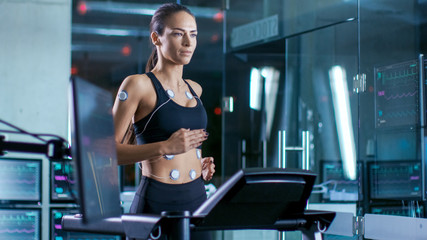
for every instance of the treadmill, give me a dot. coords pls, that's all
(253, 198)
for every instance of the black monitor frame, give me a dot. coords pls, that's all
(413, 121)
(24, 200)
(393, 197)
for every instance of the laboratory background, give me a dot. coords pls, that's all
(337, 87)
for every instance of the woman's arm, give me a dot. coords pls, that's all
(181, 141)
(208, 166)
(133, 89)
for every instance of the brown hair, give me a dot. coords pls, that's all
(157, 25)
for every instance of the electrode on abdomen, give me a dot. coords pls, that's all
(192, 174)
(174, 174)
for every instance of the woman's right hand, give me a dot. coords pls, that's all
(184, 140)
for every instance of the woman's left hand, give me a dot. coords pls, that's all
(208, 168)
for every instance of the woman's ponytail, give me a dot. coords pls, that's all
(152, 61)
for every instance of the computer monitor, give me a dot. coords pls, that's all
(94, 151)
(397, 89)
(62, 179)
(57, 233)
(20, 180)
(396, 180)
(339, 188)
(395, 209)
(20, 224)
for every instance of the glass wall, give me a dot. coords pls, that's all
(392, 108)
(345, 77)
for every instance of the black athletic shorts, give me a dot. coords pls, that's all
(154, 197)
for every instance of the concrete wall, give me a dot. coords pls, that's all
(35, 60)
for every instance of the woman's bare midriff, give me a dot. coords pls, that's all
(160, 168)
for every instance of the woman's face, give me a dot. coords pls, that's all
(179, 39)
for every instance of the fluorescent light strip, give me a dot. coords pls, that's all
(340, 98)
(122, 8)
(142, 9)
(108, 31)
(255, 89)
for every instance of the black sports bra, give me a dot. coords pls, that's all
(168, 116)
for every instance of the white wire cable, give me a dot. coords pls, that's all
(152, 114)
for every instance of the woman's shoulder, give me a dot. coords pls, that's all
(136, 80)
(195, 86)
(138, 84)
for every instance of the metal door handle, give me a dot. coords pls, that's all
(305, 148)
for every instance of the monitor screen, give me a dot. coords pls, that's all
(61, 181)
(398, 210)
(20, 180)
(20, 224)
(397, 91)
(395, 180)
(94, 151)
(339, 188)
